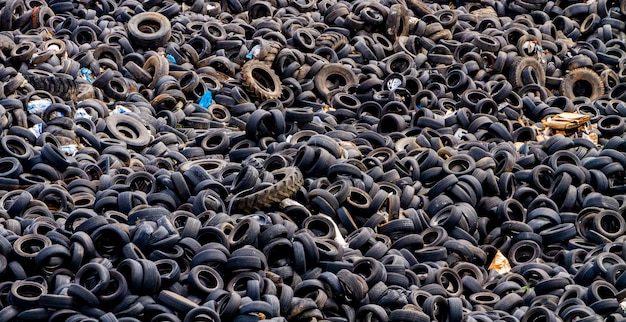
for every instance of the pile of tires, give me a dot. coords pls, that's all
(311, 160)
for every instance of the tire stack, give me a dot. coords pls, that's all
(311, 160)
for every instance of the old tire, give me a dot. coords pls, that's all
(522, 65)
(149, 29)
(582, 82)
(288, 181)
(333, 77)
(260, 80)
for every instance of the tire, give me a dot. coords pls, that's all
(289, 181)
(6, 43)
(326, 80)
(582, 82)
(520, 64)
(128, 129)
(149, 29)
(10, 13)
(332, 40)
(272, 51)
(397, 21)
(58, 85)
(260, 80)
(420, 8)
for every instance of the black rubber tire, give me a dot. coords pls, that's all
(585, 77)
(6, 43)
(420, 8)
(518, 67)
(331, 39)
(260, 80)
(140, 136)
(611, 126)
(289, 181)
(333, 77)
(64, 87)
(397, 21)
(149, 29)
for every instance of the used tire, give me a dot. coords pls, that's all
(149, 29)
(333, 77)
(260, 80)
(128, 129)
(520, 66)
(582, 82)
(289, 181)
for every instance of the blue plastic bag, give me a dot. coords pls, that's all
(87, 74)
(206, 100)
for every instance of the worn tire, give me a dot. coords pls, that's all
(272, 51)
(331, 39)
(582, 82)
(289, 180)
(420, 8)
(397, 21)
(6, 43)
(522, 63)
(333, 77)
(149, 29)
(260, 80)
(58, 85)
(128, 129)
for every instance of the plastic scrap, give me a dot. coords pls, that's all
(70, 149)
(394, 84)
(500, 263)
(206, 100)
(530, 47)
(171, 59)
(87, 74)
(38, 106)
(36, 129)
(32, 58)
(56, 114)
(54, 48)
(460, 133)
(119, 109)
(81, 113)
(254, 52)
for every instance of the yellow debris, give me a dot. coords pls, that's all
(566, 121)
(500, 263)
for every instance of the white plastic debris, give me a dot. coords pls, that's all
(254, 52)
(38, 106)
(338, 238)
(81, 113)
(69, 149)
(460, 133)
(36, 129)
(394, 83)
(119, 109)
